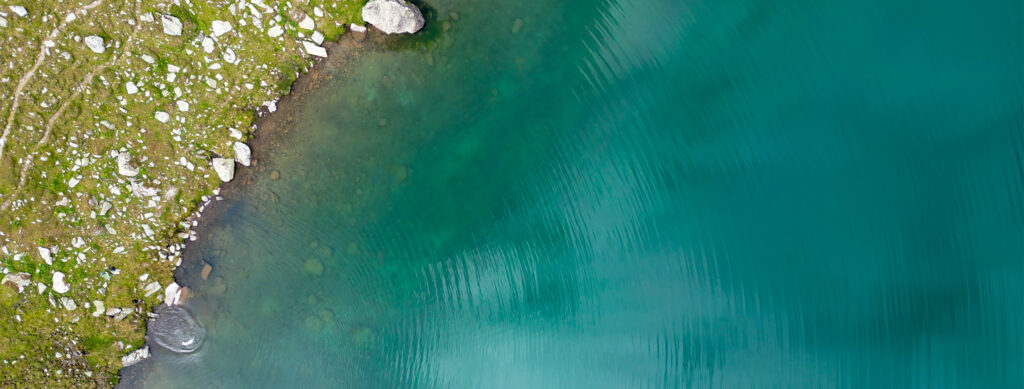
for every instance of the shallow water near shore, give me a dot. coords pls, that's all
(634, 194)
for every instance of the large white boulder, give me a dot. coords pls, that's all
(172, 26)
(225, 168)
(95, 43)
(135, 357)
(393, 16)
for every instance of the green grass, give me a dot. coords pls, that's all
(49, 212)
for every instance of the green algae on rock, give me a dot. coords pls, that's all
(113, 115)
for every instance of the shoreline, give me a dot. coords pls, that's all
(110, 254)
(270, 129)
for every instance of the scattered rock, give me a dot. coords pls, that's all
(314, 50)
(357, 28)
(59, 285)
(161, 116)
(313, 266)
(242, 153)
(124, 166)
(147, 17)
(393, 16)
(105, 207)
(225, 168)
(95, 43)
(207, 45)
(45, 254)
(205, 273)
(275, 31)
(307, 23)
(68, 303)
(131, 88)
(17, 281)
(317, 37)
(182, 105)
(172, 26)
(3, 21)
(135, 357)
(152, 288)
(19, 10)
(99, 308)
(220, 27)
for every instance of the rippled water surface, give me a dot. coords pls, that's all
(636, 194)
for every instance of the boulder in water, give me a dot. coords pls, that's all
(393, 16)
(175, 329)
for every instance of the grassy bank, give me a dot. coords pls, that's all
(172, 102)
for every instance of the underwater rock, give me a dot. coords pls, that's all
(313, 266)
(176, 329)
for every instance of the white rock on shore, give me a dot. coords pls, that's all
(171, 24)
(59, 285)
(225, 168)
(95, 43)
(243, 154)
(393, 16)
(161, 116)
(314, 50)
(135, 357)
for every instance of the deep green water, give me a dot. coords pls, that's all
(637, 194)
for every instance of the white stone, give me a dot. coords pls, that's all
(68, 303)
(45, 254)
(182, 105)
(171, 24)
(229, 56)
(135, 357)
(307, 23)
(393, 16)
(208, 45)
(146, 17)
(162, 116)
(105, 207)
(148, 58)
(317, 37)
(314, 50)
(275, 31)
(151, 288)
(172, 294)
(356, 28)
(225, 168)
(19, 280)
(131, 88)
(59, 285)
(242, 153)
(3, 21)
(99, 308)
(19, 10)
(124, 166)
(220, 27)
(95, 43)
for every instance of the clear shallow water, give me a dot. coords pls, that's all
(637, 194)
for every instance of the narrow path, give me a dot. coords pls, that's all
(15, 97)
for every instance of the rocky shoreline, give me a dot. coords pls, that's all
(156, 101)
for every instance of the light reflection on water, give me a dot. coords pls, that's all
(637, 194)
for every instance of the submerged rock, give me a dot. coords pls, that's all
(176, 329)
(313, 266)
(393, 16)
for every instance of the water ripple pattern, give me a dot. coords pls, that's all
(636, 194)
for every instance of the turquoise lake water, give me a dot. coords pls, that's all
(636, 194)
